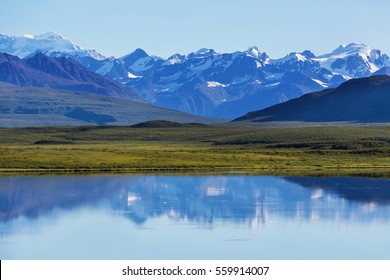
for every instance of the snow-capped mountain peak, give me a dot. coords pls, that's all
(296, 62)
(254, 51)
(49, 36)
(257, 54)
(175, 59)
(137, 61)
(52, 43)
(354, 60)
(308, 54)
(44, 36)
(294, 56)
(343, 51)
(28, 36)
(201, 53)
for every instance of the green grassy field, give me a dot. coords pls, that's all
(163, 147)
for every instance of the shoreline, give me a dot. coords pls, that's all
(373, 172)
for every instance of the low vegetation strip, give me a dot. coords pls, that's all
(164, 147)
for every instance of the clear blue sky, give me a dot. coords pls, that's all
(164, 27)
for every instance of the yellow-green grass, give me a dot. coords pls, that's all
(198, 148)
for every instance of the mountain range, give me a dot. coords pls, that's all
(208, 83)
(364, 100)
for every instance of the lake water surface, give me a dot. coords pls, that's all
(194, 217)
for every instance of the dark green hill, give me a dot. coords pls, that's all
(165, 124)
(365, 100)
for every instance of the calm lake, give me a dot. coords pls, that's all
(194, 217)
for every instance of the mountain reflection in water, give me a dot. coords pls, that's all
(234, 199)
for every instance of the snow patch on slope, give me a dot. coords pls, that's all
(213, 84)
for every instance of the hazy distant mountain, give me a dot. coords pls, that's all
(210, 83)
(364, 100)
(58, 73)
(34, 106)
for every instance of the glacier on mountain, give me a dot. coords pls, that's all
(51, 43)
